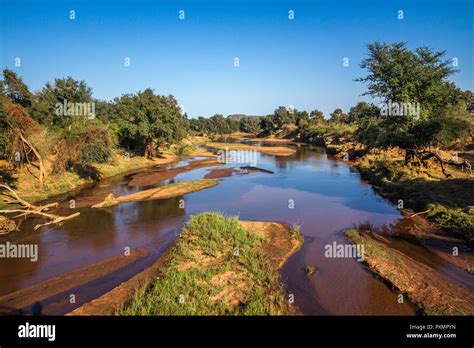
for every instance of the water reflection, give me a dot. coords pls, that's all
(327, 195)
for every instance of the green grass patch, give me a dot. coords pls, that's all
(215, 268)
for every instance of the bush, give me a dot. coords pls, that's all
(81, 148)
(459, 221)
(95, 153)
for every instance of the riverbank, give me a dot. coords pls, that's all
(438, 215)
(29, 189)
(220, 266)
(269, 150)
(155, 218)
(434, 293)
(448, 202)
(24, 300)
(120, 163)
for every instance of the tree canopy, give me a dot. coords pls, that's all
(398, 76)
(145, 117)
(15, 89)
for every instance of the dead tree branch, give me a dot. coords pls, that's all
(26, 209)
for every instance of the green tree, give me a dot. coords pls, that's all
(198, 125)
(339, 116)
(362, 110)
(316, 116)
(250, 125)
(301, 118)
(267, 124)
(146, 118)
(282, 116)
(104, 110)
(398, 75)
(15, 89)
(49, 101)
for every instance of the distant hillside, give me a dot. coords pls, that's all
(238, 117)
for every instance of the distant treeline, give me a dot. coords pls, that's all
(219, 124)
(65, 122)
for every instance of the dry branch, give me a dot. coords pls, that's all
(424, 156)
(26, 209)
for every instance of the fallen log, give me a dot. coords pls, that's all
(25, 208)
(424, 156)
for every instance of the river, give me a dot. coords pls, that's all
(309, 188)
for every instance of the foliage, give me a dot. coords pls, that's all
(449, 202)
(419, 77)
(190, 286)
(250, 125)
(12, 145)
(316, 132)
(290, 121)
(79, 130)
(316, 115)
(143, 118)
(216, 124)
(45, 108)
(339, 116)
(460, 221)
(268, 125)
(78, 149)
(182, 149)
(15, 89)
(283, 116)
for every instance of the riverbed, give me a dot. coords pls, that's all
(309, 188)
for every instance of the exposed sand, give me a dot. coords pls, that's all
(281, 243)
(279, 246)
(430, 290)
(168, 191)
(251, 169)
(201, 153)
(269, 150)
(14, 301)
(437, 241)
(220, 173)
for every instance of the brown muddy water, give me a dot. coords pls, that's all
(327, 197)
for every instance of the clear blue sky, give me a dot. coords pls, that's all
(282, 62)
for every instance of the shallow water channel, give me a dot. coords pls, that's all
(327, 196)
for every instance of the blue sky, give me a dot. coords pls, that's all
(295, 62)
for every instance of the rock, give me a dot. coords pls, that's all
(6, 225)
(310, 270)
